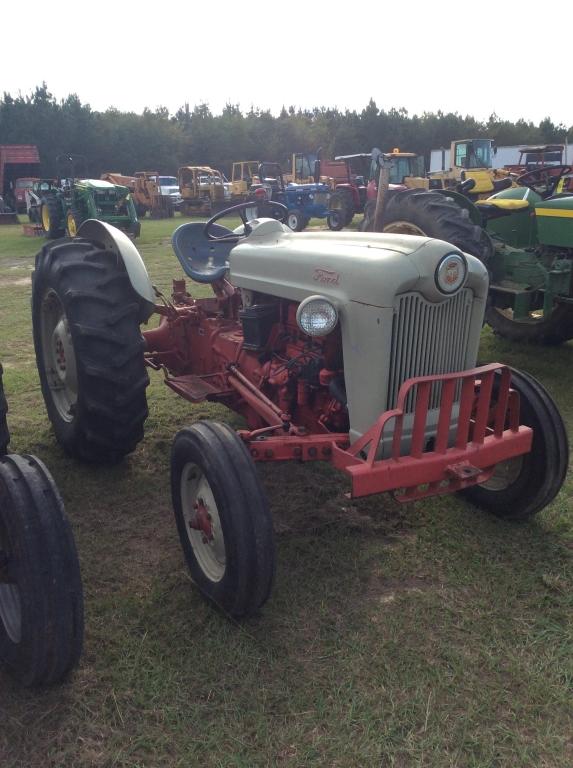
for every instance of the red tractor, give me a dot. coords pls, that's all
(41, 596)
(357, 349)
(348, 176)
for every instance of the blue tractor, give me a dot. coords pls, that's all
(303, 201)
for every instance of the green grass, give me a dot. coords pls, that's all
(425, 634)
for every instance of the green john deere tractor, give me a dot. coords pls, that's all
(61, 206)
(523, 234)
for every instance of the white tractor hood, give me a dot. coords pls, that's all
(345, 266)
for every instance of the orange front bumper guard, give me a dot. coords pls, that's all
(488, 432)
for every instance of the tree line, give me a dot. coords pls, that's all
(157, 140)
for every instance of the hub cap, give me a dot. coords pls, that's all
(45, 218)
(59, 357)
(202, 522)
(72, 228)
(10, 605)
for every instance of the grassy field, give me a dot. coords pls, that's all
(425, 634)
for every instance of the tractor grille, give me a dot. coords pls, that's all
(320, 198)
(427, 339)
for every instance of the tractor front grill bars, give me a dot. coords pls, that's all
(486, 432)
(427, 339)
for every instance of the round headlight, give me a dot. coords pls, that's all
(451, 273)
(316, 316)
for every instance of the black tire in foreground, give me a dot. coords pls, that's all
(4, 433)
(89, 350)
(223, 518)
(41, 597)
(431, 214)
(554, 329)
(521, 487)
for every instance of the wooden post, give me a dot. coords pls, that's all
(383, 182)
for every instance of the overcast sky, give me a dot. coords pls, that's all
(468, 57)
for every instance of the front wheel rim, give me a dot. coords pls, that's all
(72, 228)
(59, 357)
(292, 221)
(208, 544)
(10, 601)
(504, 475)
(46, 218)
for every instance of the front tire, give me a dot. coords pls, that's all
(41, 597)
(521, 487)
(222, 517)
(51, 218)
(89, 350)
(4, 433)
(73, 222)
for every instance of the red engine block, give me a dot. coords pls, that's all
(288, 377)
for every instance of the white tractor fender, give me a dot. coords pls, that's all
(113, 239)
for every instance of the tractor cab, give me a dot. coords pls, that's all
(406, 171)
(271, 181)
(471, 159)
(538, 156)
(358, 167)
(471, 153)
(304, 168)
(244, 173)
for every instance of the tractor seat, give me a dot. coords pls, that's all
(496, 207)
(203, 260)
(505, 204)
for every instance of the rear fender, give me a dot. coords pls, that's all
(463, 202)
(114, 239)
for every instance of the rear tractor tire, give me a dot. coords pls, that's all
(431, 214)
(535, 329)
(337, 215)
(223, 518)
(41, 597)
(50, 215)
(523, 486)
(89, 350)
(367, 223)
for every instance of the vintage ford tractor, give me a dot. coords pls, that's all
(524, 236)
(356, 349)
(41, 597)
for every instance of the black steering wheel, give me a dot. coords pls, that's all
(241, 209)
(547, 177)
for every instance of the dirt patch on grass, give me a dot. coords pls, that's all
(6, 282)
